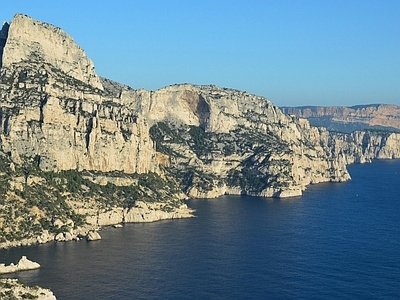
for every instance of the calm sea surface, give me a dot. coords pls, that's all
(338, 241)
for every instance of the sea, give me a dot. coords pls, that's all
(337, 241)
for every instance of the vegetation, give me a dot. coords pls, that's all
(247, 180)
(163, 135)
(183, 143)
(31, 199)
(11, 289)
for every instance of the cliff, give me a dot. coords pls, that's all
(79, 151)
(72, 151)
(32, 39)
(231, 142)
(348, 119)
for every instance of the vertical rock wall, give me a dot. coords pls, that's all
(31, 39)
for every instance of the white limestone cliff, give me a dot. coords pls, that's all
(73, 133)
(56, 115)
(232, 113)
(29, 38)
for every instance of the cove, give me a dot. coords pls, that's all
(337, 241)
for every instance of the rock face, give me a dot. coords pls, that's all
(232, 142)
(65, 127)
(78, 151)
(93, 236)
(28, 38)
(364, 146)
(24, 264)
(348, 119)
(14, 289)
(3, 39)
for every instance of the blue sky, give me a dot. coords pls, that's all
(291, 52)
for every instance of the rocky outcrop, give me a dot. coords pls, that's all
(54, 108)
(142, 212)
(365, 146)
(75, 133)
(348, 119)
(31, 39)
(228, 141)
(14, 289)
(24, 264)
(93, 236)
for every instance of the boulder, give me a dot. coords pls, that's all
(59, 237)
(44, 237)
(68, 236)
(93, 236)
(22, 265)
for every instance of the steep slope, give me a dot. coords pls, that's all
(349, 119)
(32, 39)
(79, 151)
(55, 117)
(228, 141)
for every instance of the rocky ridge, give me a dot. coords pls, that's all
(28, 38)
(348, 119)
(79, 151)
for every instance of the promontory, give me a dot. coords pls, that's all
(79, 151)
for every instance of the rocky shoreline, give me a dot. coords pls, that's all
(142, 213)
(14, 289)
(79, 152)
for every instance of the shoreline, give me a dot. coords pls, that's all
(145, 213)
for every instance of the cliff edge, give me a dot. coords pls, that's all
(26, 39)
(348, 119)
(78, 151)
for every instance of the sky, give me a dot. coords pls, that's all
(295, 53)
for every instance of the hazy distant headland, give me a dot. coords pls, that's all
(384, 117)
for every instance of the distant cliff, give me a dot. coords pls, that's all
(348, 119)
(79, 151)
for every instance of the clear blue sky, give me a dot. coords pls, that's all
(295, 52)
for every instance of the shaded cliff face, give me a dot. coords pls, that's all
(364, 146)
(3, 39)
(348, 119)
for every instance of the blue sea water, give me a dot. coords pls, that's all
(338, 241)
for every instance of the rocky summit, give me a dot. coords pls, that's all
(79, 151)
